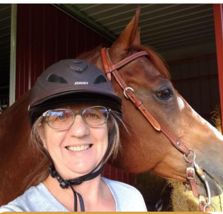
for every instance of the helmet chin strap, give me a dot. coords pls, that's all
(76, 181)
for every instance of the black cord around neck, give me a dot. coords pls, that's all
(76, 181)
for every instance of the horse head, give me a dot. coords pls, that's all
(143, 146)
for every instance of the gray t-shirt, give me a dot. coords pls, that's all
(39, 198)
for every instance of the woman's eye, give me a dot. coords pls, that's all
(61, 117)
(92, 115)
(164, 94)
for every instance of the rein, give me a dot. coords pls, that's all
(110, 68)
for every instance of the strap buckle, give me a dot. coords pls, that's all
(126, 89)
(190, 172)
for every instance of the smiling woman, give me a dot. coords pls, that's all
(74, 114)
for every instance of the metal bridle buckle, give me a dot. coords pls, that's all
(190, 172)
(126, 89)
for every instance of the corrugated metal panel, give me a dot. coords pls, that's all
(46, 35)
(163, 26)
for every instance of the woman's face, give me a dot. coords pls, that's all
(77, 150)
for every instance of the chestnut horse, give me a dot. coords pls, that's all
(144, 147)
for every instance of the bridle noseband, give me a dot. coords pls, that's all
(110, 68)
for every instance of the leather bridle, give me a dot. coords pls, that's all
(110, 68)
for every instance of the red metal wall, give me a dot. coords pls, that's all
(46, 35)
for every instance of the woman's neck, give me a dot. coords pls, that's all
(95, 193)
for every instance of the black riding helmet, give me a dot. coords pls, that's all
(70, 81)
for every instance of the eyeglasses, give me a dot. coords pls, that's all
(62, 119)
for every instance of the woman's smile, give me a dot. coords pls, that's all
(79, 148)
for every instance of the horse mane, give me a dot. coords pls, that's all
(91, 54)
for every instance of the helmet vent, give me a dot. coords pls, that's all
(56, 79)
(100, 79)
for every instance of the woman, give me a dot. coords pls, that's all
(74, 114)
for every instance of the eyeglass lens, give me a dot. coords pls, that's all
(64, 118)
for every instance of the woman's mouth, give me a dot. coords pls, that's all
(78, 148)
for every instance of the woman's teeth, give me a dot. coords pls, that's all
(78, 148)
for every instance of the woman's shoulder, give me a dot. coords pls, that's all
(36, 198)
(22, 202)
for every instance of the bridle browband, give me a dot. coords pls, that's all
(110, 68)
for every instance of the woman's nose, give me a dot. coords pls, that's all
(79, 128)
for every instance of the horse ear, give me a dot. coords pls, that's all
(130, 36)
(137, 40)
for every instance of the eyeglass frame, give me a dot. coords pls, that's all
(75, 113)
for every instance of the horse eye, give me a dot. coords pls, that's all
(164, 94)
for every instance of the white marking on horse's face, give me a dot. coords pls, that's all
(180, 103)
(206, 123)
